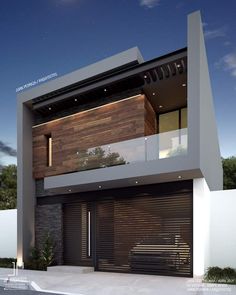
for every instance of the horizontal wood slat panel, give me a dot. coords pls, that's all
(75, 235)
(126, 119)
(145, 235)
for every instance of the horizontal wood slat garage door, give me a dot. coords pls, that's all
(145, 235)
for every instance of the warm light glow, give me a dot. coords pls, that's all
(49, 151)
(20, 262)
(86, 111)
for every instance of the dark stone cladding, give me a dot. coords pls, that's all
(39, 189)
(49, 219)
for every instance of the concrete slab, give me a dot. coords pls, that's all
(100, 283)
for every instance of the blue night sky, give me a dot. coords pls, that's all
(46, 36)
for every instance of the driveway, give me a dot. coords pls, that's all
(101, 283)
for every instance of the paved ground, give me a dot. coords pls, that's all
(99, 283)
(10, 292)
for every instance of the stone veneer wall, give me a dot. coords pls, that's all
(49, 218)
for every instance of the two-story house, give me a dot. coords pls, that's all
(109, 158)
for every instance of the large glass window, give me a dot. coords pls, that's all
(173, 120)
(184, 118)
(169, 121)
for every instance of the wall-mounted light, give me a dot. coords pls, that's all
(136, 182)
(69, 190)
(179, 177)
(20, 262)
(75, 99)
(49, 108)
(160, 106)
(184, 85)
(154, 93)
(105, 90)
(99, 186)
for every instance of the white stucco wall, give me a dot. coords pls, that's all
(223, 228)
(201, 224)
(214, 227)
(8, 233)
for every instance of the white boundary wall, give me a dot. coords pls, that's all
(214, 227)
(8, 233)
(223, 228)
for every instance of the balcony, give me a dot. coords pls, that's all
(142, 149)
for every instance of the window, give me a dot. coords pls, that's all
(169, 121)
(173, 120)
(49, 150)
(184, 118)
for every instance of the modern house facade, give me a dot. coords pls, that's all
(114, 161)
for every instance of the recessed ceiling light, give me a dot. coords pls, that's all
(49, 108)
(136, 182)
(99, 186)
(76, 99)
(184, 85)
(160, 106)
(179, 176)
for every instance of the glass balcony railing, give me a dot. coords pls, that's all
(142, 149)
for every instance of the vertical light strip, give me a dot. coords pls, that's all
(49, 151)
(89, 233)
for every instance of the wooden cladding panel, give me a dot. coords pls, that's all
(150, 119)
(123, 120)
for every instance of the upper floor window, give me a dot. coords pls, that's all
(173, 120)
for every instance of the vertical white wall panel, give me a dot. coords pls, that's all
(201, 223)
(8, 233)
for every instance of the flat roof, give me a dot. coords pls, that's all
(122, 60)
